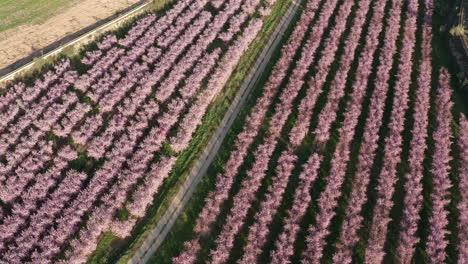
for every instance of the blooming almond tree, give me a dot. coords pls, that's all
(413, 198)
(436, 242)
(463, 204)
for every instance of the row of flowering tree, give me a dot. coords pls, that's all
(328, 200)
(154, 58)
(245, 217)
(46, 112)
(463, 186)
(143, 196)
(331, 45)
(49, 111)
(245, 139)
(102, 217)
(246, 195)
(190, 88)
(224, 181)
(413, 197)
(21, 177)
(259, 230)
(284, 244)
(358, 197)
(393, 142)
(438, 221)
(346, 134)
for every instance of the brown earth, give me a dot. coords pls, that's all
(21, 41)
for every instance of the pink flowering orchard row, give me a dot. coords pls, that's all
(216, 3)
(49, 119)
(99, 145)
(25, 172)
(201, 70)
(246, 195)
(234, 26)
(39, 117)
(98, 69)
(71, 216)
(106, 43)
(393, 142)
(12, 94)
(68, 122)
(173, 33)
(436, 241)
(113, 77)
(110, 55)
(21, 97)
(70, 185)
(35, 101)
(21, 209)
(93, 57)
(144, 194)
(166, 62)
(140, 160)
(327, 203)
(157, 135)
(52, 112)
(68, 224)
(143, 198)
(413, 197)
(136, 31)
(302, 198)
(316, 83)
(328, 200)
(119, 92)
(52, 250)
(138, 209)
(193, 54)
(92, 124)
(9, 110)
(463, 186)
(337, 88)
(363, 71)
(245, 138)
(140, 44)
(83, 200)
(259, 230)
(353, 109)
(101, 218)
(194, 116)
(82, 136)
(284, 245)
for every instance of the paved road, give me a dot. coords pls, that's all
(80, 37)
(157, 236)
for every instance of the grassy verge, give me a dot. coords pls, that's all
(112, 249)
(182, 231)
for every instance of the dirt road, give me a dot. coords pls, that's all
(23, 40)
(158, 234)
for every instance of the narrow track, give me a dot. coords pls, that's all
(158, 234)
(80, 37)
